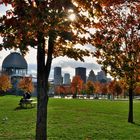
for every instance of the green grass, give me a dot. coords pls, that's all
(71, 120)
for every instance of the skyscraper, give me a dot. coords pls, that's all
(66, 80)
(81, 72)
(92, 76)
(101, 76)
(57, 76)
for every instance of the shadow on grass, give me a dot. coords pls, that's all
(137, 124)
(22, 108)
(134, 123)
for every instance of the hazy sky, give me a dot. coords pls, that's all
(68, 65)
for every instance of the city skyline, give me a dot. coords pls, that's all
(67, 64)
(58, 79)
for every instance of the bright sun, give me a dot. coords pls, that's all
(72, 17)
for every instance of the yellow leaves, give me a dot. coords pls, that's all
(26, 84)
(5, 83)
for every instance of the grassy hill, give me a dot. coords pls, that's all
(70, 120)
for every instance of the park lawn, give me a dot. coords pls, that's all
(70, 120)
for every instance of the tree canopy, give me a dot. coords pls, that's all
(45, 25)
(5, 83)
(117, 43)
(26, 84)
(118, 39)
(76, 85)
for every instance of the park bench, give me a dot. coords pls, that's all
(27, 103)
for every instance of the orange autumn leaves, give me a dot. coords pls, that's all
(76, 84)
(5, 83)
(26, 84)
(103, 2)
(78, 87)
(114, 88)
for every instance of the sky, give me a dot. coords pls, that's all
(68, 65)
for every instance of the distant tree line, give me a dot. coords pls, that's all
(114, 88)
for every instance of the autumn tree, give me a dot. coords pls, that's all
(117, 43)
(137, 89)
(111, 86)
(76, 85)
(56, 90)
(89, 88)
(60, 90)
(66, 89)
(104, 88)
(97, 88)
(5, 83)
(124, 87)
(46, 26)
(118, 89)
(115, 88)
(26, 84)
(84, 89)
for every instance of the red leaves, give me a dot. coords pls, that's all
(117, 42)
(76, 85)
(6, 2)
(138, 8)
(52, 15)
(111, 2)
(61, 90)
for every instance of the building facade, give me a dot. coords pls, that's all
(58, 80)
(91, 76)
(66, 78)
(81, 71)
(14, 64)
(101, 76)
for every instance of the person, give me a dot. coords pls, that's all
(26, 96)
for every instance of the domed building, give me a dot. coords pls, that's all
(15, 64)
(16, 67)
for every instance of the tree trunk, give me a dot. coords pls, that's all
(130, 114)
(43, 71)
(41, 91)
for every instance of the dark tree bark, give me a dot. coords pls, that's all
(130, 114)
(43, 71)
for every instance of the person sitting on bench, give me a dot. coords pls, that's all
(26, 96)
